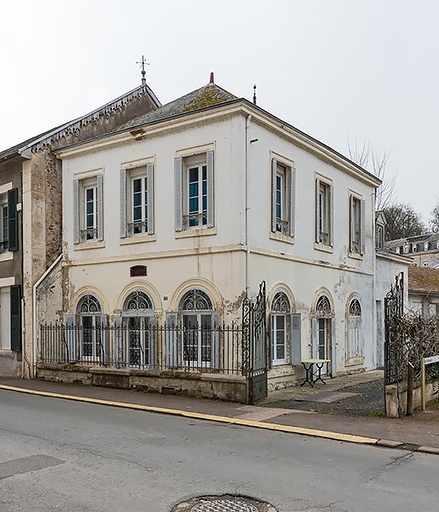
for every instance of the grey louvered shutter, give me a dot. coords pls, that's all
(317, 211)
(362, 226)
(331, 215)
(123, 203)
(273, 194)
(15, 299)
(210, 190)
(296, 342)
(315, 334)
(100, 207)
(76, 212)
(103, 328)
(171, 340)
(351, 223)
(13, 219)
(150, 197)
(178, 174)
(71, 331)
(216, 349)
(292, 203)
(153, 329)
(331, 366)
(118, 355)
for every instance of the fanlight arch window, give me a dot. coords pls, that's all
(196, 300)
(139, 330)
(323, 307)
(322, 326)
(355, 339)
(91, 335)
(199, 340)
(138, 301)
(280, 328)
(88, 305)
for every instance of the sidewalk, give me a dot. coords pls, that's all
(418, 432)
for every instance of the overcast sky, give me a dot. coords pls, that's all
(340, 70)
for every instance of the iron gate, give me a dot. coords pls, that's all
(254, 321)
(393, 312)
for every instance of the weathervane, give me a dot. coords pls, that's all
(143, 63)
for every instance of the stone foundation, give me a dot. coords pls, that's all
(232, 388)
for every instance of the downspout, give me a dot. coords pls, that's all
(247, 207)
(34, 311)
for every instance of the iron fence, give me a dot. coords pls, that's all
(201, 348)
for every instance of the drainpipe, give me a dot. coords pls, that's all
(247, 208)
(34, 312)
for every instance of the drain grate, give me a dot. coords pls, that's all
(224, 503)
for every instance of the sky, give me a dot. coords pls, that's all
(347, 72)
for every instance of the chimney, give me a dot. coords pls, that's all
(212, 78)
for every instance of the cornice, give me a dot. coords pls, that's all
(216, 112)
(74, 127)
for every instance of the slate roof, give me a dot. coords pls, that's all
(423, 280)
(77, 122)
(204, 97)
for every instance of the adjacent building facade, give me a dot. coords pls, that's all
(31, 226)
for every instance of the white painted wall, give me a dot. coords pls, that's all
(218, 262)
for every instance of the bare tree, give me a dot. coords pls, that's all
(402, 222)
(375, 162)
(433, 222)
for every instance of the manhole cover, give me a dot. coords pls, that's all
(224, 503)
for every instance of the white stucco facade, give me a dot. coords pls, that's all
(229, 258)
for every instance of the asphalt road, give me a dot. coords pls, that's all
(57, 455)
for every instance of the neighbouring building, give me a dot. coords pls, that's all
(31, 238)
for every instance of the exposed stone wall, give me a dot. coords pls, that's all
(223, 387)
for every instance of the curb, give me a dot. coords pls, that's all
(325, 434)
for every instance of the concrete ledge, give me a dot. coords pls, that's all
(386, 443)
(428, 449)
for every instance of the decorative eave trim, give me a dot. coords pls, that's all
(215, 112)
(74, 127)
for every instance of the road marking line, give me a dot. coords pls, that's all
(336, 436)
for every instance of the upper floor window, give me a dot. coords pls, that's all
(194, 202)
(356, 225)
(88, 211)
(283, 198)
(137, 195)
(4, 224)
(324, 212)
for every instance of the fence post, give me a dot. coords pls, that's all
(410, 367)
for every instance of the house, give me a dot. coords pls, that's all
(177, 216)
(423, 290)
(31, 226)
(423, 249)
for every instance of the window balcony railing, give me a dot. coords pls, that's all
(89, 234)
(138, 227)
(194, 220)
(4, 246)
(282, 226)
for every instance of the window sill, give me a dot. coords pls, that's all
(89, 245)
(281, 238)
(6, 256)
(355, 361)
(323, 247)
(280, 362)
(138, 239)
(190, 233)
(355, 255)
